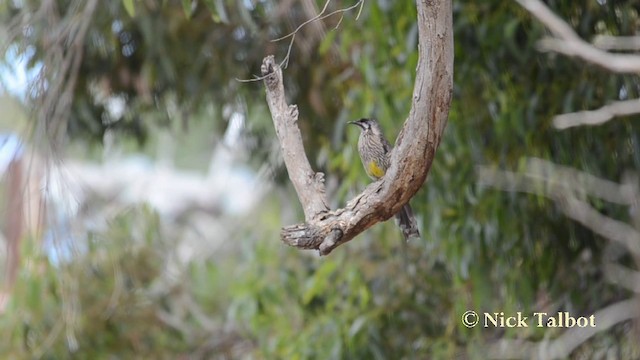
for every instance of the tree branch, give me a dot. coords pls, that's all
(619, 43)
(602, 225)
(622, 276)
(566, 41)
(579, 210)
(411, 158)
(308, 184)
(571, 339)
(547, 178)
(599, 116)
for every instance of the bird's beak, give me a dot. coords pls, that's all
(354, 123)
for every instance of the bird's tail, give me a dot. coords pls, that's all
(407, 222)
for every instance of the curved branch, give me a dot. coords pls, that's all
(571, 339)
(566, 41)
(412, 155)
(598, 116)
(579, 210)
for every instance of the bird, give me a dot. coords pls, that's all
(375, 153)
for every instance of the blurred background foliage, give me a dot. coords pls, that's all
(154, 67)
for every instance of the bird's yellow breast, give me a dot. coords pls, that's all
(374, 170)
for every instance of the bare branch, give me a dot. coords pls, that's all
(566, 41)
(623, 276)
(320, 16)
(563, 185)
(623, 43)
(605, 226)
(571, 339)
(576, 209)
(410, 160)
(546, 178)
(308, 184)
(64, 50)
(315, 18)
(599, 116)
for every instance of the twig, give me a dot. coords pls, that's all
(285, 62)
(599, 116)
(321, 16)
(315, 18)
(566, 41)
(64, 51)
(255, 78)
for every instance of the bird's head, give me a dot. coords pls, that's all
(365, 124)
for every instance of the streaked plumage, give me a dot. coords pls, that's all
(375, 153)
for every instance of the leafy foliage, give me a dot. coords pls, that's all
(377, 297)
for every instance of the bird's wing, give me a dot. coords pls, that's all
(385, 145)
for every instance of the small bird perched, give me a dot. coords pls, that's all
(375, 153)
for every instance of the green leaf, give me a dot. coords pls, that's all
(326, 43)
(215, 16)
(129, 7)
(318, 283)
(186, 7)
(357, 325)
